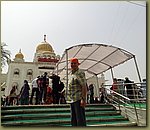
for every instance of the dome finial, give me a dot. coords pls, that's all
(19, 55)
(44, 46)
(44, 38)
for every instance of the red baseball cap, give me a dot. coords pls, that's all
(74, 60)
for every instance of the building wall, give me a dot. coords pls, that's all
(24, 69)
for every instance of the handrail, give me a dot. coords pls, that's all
(118, 96)
(123, 102)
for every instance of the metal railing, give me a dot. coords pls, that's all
(132, 106)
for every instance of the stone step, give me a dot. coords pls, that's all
(59, 115)
(59, 121)
(55, 115)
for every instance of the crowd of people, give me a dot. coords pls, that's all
(78, 92)
(126, 88)
(41, 90)
(42, 93)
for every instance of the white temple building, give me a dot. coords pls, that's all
(19, 70)
(44, 60)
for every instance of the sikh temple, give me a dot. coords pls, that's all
(45, 60)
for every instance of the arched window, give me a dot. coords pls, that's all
(53, 57)
(29, 72)
(49, 56)
(16, 71)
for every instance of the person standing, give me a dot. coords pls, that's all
(55, 88)
(12, 96)
(35, 90)
(41, 89)
(129, 88)
(45, 81)
(114, 85)
(49, 98)
(91, 89)
(115, 88)
(76, 94)
(24, 94)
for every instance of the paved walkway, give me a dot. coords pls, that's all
(132, 115)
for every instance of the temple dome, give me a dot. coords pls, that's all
(19, 55)
(44, 47)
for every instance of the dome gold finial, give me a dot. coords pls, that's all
(44, 38)
(19, 55)
(44, 47)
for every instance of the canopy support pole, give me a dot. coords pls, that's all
(137, 69)
(66, 71)
(112, 74)
(97, 86)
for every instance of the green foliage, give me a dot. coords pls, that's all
(5, 55)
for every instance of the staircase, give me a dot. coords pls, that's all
(59, 115)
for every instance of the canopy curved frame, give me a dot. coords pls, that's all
(94, 58)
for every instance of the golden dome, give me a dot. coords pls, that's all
(44, 47)
(19, 55)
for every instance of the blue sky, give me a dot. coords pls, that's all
(118, 23)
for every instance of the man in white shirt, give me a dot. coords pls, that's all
(35, 89)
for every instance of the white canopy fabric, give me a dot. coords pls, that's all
(94, 58)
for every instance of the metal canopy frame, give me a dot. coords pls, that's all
(94, 59)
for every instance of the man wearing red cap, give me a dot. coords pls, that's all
(76, 94)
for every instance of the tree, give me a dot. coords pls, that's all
(5, 55)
